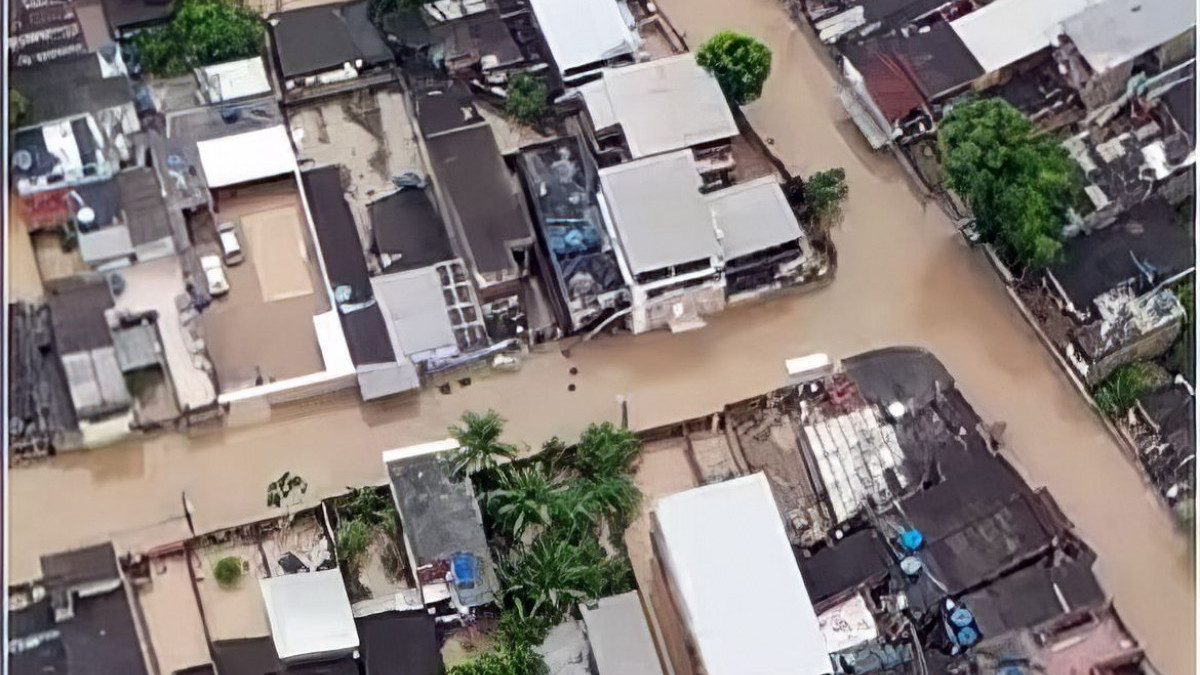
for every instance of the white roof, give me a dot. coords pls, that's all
(1009, 30)
(752, 216)
(662, 105)
(848, 624)
(1116, 31)
(414, 308)
(580, 32)
(309, 614)
(736, 581)
(234, 79)
(250, 156)
(620, 637)
(660, 215)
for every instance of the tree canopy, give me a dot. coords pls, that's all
(739, 62)
(1019, 183)
(203, 32)
(526, 101)
(824, 193)
(480, 447)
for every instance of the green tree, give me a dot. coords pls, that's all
(201, 33)
(523, 498)
(552, 574)
(1121, 390)
(739, 62)
(18, 107)
(1019, 183)
(480, 447)
(824, 193)
(526, 99)
(228, 571)
(606, 450)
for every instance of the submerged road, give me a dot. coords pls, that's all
(906, 278)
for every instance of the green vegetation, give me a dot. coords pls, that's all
(739, 62)
(1018, 182)
(526, 101)
(365, 518)
(824, 193)
(507, 659)
(203, 32)
(480, 447)
(228, 571)
(547, 515)
(18, 107)
(1121, 390)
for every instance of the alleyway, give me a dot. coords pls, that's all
(906, 278)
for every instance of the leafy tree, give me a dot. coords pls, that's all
(523, 498)
(552, 574)
(824, 193)
(1121, 390)
(526, 100)
(739, 62)
(201, 33)
(480, 447)
(606, 450)
(228, 571)
(1018, 182)
(614, 498)
(517, 659)
(18, 107)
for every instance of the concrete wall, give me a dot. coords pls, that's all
(1150, 346)
(1106, 87)
(654, 313)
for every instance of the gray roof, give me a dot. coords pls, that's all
(396, 643)
(1112, 32)
(405, 224)
(440, 514)
(137, 346)
(414, 306)
(477, 35)
(484, 194)
(144, 205)
(337, 235)
(100, 639)
(46, 87)
(752, 217)
(80, 566)
(317, 39)
(662, 105)
(77, 314)
(128, 14)
(660, 216)
(620, 637)
(1095, 263)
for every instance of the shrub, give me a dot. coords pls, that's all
(18, 106)
(526, 101)
(739, 62)
(1121, 390)
(506, 660)
(228, 571)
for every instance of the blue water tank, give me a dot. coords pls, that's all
(961, 617)
(911, 540)
(967, 636)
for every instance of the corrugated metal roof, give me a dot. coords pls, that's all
(753, 216)
(1007, 31)
(1115, 31)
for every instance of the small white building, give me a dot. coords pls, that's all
(234, 80)
(620, 637)
(310, 616)
(730, 569)
(584, 35)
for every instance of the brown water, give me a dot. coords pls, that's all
(905, 278)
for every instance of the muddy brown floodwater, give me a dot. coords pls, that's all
(906, 278)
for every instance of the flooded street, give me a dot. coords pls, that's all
(906, 278)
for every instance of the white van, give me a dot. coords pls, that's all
(231, 245)
(214, 275)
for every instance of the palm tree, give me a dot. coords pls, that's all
(606, 450)
(614, 498)
(522, 498)
(479, 442)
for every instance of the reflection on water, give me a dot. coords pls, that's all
(905, 278)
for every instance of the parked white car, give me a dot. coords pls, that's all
(214, 274)
(231, 245)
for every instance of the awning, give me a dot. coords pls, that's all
(875, 136)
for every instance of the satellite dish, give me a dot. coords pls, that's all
(86, 216)
(911, 566)
(22, 160)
